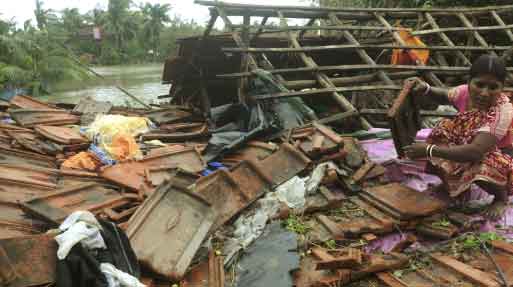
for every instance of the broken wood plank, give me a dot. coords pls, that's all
(477, 276)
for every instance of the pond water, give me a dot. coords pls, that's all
(143, 81)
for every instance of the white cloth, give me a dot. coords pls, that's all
(118, 278)
(80, 226)
(292, 192)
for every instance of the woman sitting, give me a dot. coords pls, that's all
(468, 148)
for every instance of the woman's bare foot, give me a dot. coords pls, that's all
(495, 210)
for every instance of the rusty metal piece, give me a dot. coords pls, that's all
(223, 191)
(31, 259)
(475, 275)
(362, 172)
(157, 175)
(401, 201)
(404, 119)
(390, 280)
(89, 106)
(342, 258)
(168, 229)
(61, 134)
(26, 102)
(56, 206)
(285, 163)
(32, 117)
(169, 115)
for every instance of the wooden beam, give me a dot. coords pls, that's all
(431, 20)
(362, 46)
(461, 29)
(322, 79)
(344, 81)
(432, 77)
(423, 113)
(456, 70)
(327, 91)
(260, 29)
(499, 20)
(351, 9)
(269, 30)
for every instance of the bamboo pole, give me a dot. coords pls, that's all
(350, 9)
(461, 29)
(362, 46)
(328, 91)
(323, 80)
(436, 69)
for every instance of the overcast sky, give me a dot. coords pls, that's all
(22, 10)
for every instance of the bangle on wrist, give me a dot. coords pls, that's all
(428, 90)
(427, 150)
(431, 151)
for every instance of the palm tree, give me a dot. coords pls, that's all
(41, 15)
(118, 23)
(154, 18)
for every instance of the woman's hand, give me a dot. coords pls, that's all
(416, 150)
(419, 86)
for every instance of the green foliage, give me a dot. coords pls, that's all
(473, 241)
(296, 224)
(441, 223)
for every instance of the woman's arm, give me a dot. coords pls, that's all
(420, 89)
(473, 152)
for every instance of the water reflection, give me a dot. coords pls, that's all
(144, 81)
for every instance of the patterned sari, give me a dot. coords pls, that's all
(496, 167)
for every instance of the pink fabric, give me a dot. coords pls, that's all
(501, 126)
(459, 96)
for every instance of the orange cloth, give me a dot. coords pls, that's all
(83, 160)
(410, 57)
(122, 147)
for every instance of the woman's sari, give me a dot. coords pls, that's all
(495, 167)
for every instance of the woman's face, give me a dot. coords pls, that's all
(484, 91)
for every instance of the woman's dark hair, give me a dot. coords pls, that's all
(488, 65)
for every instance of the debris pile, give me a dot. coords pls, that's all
(250, 177)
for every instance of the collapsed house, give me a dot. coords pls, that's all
(266, 163)
(346, 59)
